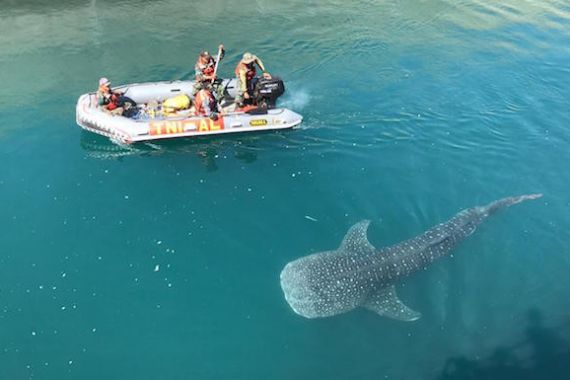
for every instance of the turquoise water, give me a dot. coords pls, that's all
(162, 261)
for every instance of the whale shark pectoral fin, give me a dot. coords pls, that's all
(356, 240)
(386, 303)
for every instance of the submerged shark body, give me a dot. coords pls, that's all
(358, 275)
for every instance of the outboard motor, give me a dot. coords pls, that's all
(267, 91)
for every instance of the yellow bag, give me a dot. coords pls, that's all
(176, 103)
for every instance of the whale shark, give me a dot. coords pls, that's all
(357, 274)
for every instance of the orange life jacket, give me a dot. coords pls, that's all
(111, 102)
(205, 103)
(114, 102)
(207, 68)
(250, 73)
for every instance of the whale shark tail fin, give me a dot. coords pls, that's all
(356, 240)
(506, 202)
(386, 303)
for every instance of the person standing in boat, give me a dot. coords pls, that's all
(246, 76)
(205, 73)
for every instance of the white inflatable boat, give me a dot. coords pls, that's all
(153, 126)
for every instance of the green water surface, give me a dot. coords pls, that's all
(162, 261)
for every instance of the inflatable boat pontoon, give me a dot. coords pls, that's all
(183, 124)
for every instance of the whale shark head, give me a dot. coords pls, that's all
(325, 283)
(310, 287)
(299, 288)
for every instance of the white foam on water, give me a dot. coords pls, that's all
(296, 99)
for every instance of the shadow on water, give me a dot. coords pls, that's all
(543, 354)
(207, 149)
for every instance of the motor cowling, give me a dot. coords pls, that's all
(267, 91)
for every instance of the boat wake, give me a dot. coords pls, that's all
(296, 99)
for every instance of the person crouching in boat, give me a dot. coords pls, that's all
(112, 101)
(205, 104)
(246, 75)
(205, 70)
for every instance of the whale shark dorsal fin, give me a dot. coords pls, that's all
(386, 303)
(356, 240)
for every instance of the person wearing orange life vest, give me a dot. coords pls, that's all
(206, 104)
(205, 73)
(108, 99)
(246, 75)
